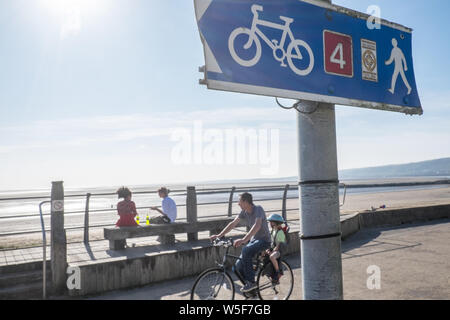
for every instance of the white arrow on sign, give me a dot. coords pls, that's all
(211, 61)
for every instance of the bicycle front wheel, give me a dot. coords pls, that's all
(247, 56)
(213, 284)
(275, 290)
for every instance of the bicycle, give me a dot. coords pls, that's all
(217, 284)
(277, 46)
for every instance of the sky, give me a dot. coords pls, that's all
(106, 93)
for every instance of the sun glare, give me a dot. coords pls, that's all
(62, 6)
(72, 13)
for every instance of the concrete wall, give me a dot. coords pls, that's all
(188, 260)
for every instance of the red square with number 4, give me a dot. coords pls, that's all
(338, 53)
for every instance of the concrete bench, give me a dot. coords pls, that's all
(117, 236)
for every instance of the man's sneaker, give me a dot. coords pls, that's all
(250, 286)
(276, 277)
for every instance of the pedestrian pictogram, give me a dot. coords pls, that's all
(400, 66)
(369, 60)
(338, 53)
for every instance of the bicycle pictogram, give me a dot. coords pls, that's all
(292, 53)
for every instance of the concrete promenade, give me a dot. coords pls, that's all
(413, 260)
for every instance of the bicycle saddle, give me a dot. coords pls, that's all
(286, 19)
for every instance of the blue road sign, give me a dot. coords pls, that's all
(307, 50)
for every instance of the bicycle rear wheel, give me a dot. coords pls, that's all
(293, 53)
(213, 284)
(281, 290)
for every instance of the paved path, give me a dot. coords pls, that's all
(413, 260)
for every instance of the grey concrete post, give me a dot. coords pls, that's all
(191, 210)
(58, 239)
(319, 204)
(230, 202)
(283, 205)
(86, 220)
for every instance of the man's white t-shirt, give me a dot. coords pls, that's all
(169, 208)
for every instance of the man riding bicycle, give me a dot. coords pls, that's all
(256, 240)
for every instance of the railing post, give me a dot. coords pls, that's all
(230, 202)
(58, 239)
(44, 253)
(191, 211)
(283, 206)
(345, 193)
(86, 220)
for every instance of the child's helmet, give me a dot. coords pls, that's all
(276, 218)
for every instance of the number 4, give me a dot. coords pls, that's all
(339, 50)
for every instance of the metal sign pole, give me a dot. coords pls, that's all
(319, 204)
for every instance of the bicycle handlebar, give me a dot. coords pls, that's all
(256, 8)
(223, 242)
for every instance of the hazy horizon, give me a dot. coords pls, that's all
(258, 180)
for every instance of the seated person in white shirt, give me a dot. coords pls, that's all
(168, 214)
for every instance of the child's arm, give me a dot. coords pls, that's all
(277, 247)
(134, 211)
(277, 241)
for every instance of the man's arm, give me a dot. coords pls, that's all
(250, 234)
(159, 210)
(233, 224)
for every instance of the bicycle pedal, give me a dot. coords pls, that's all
(250, 294)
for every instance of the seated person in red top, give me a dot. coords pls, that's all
(126, 209)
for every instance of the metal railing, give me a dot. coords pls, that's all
(88, 197)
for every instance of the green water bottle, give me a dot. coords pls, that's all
(147, 221)
(137, 220)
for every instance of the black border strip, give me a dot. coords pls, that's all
(302, 183)
(326, 236)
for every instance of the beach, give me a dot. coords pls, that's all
(357, 199)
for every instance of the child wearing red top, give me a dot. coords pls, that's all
(126, 209)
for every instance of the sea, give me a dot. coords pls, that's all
(25, 203)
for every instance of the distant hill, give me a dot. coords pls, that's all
(432, 168)
(438, 167)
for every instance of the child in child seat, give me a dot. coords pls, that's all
(278, 239)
